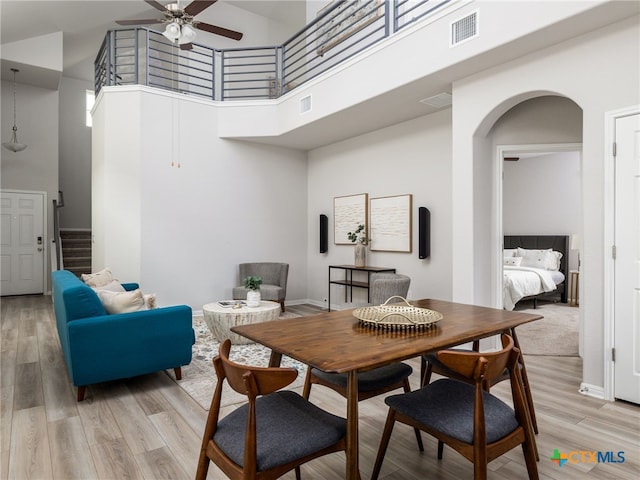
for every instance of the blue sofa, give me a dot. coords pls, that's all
(99, 347)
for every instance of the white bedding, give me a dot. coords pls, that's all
(520, 282)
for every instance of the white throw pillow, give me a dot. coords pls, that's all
(98, 279)
(114, 286)
(122, 302)
(544, 259)
(150, 301)
(513, 261)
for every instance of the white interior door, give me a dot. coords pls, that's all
(22, 243)
(627, 261)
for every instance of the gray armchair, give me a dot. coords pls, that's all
(274, 281)
(385, 285)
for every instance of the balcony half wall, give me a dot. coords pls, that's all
(383, 85)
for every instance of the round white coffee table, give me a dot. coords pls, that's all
(220, 319)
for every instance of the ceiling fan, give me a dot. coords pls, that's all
(180, 22)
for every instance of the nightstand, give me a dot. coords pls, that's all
(574, 288)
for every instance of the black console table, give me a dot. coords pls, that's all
(348, 281)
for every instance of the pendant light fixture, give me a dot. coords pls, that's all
(14, 145)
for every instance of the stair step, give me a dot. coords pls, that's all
(75, 233)
(75, 241)
(76, 252)
(77, 261)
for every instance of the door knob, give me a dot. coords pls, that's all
(39, 249)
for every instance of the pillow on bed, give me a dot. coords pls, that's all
(546, 259)
(513, 261)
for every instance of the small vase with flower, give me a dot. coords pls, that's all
(359, 237)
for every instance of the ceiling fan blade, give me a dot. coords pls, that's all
(156, 5)
(218, 30)
(197, 6)
(186, 46)
(147, 21)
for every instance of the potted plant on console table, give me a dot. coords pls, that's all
(252, 284)
(359, 237)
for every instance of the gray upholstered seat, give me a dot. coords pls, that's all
(447, 406)
(385, 285)
(288, 427)
(274, 280)
(376, 379)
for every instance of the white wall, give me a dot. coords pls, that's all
(585, 71)
(542, 196)
(180, 208)
(408, 158)
(75, 154)
(36, 167)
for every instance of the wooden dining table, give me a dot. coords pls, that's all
(338, 342)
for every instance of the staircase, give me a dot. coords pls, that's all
(76, 250)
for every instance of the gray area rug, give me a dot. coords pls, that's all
(555, 335)
(199, 377)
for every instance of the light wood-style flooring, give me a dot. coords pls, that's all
(149, 428)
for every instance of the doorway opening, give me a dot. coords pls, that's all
(540, 194)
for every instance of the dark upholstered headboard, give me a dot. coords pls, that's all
(559, 243)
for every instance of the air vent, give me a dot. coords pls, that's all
(440, 100)
(305, 104)
(464, 29)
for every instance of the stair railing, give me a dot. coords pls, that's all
(341, 30)
(57, 205)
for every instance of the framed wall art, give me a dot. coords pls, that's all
(348, 212)
(391, 223)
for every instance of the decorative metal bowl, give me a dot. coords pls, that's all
(397, 316)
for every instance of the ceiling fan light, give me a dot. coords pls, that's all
(188, 34)
(172, 32)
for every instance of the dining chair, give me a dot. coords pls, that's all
(430, 364)
(370, 383)
(386, 285)
(379, 380)
(463, 415)
(275, 432)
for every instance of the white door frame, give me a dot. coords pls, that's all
(609, 237)
(45, 236)
(507, 151)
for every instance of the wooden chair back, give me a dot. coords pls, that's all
(479, 369)
(255, 382)
(249, 380)
(484, 369)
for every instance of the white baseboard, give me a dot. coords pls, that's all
(592, 391)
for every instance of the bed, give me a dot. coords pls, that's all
(535, 266)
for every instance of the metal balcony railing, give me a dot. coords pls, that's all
(344, 28)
